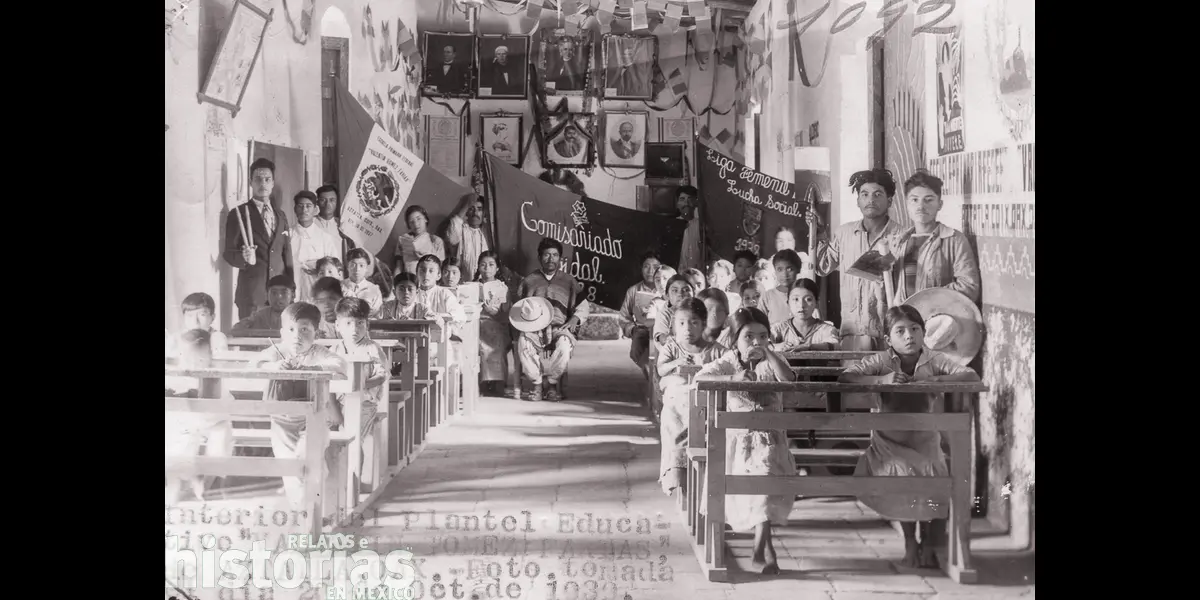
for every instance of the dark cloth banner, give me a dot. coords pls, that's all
(745, 209)
(602, 243)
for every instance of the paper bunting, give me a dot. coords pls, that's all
(724, 136)
(659, 5)
(405, 42)
(671, 18)
(606, 26)
(605, 13)
(533, 9)
(625, 3)
(572, 25)
(568, 7)
(678, 85)
(593, 3)
(639, 15)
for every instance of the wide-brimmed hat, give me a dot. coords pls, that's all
(531, 314)
(953, 324)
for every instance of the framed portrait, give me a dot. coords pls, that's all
(665, 160)
(238, 50)
(564, 62)
(503, 64)
(503, 136)
(624, 141)
(449, 69)
(568, 140)
(629, 66)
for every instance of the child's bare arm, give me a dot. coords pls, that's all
(783, 371)
(868, 370)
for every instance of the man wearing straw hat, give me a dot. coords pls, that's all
(256, 241)
(544, 317)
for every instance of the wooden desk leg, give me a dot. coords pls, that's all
(956, 559)
(716, 492)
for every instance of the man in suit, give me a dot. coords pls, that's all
(450, 76)
(269, 253)
(630, 77)
(569, 145)
(625, 147)
(563, 69)
(506, 76)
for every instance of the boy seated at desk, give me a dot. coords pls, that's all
(199, 311)
(281, 292)
(352, 315)
(187, 431)
(297, 351)
(326, 292)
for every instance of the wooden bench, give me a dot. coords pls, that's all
(708, 421)
(323, 492)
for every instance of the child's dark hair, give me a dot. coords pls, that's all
(430, 258)
(327, 284)
(198, 301)
(304, 194)
(714, 294)
(282, 281)
(746, 254)
(487, 254)
(196, 338)
(303, 311)
(746, 316)
(923, 178)
(329, 260)
(329, 187)
(451, 262)
(808, 284)
(881, 177)
(404, 278)
(671, 281)
(358, 253)
(686, 189)
(353, 307)
(416, 208)
(903, 312)
(694, 306)
(788, 257)
(694, 272)
(750, 284)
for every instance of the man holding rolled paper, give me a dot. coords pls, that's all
(256, 241)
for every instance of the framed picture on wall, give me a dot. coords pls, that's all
(238, 50)
(568, 140)
(449, 67)
(503, 136)
(625, 135)
(503, 63)
(665, 160)
(629, 66)
(564, 62)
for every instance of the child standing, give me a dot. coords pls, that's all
(281, 291)
(774, 301)
(636, 306)
(803, 331)
(686, 347)
(358, 266)
(352, 315)
(661, 277)
(199, 310)
(494, 337)
(907, 453)
(743, 270)
(678, 290)
(326, 292)
(751, 451)
(185, 432)
(297, 352)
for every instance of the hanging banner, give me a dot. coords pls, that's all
(949, 90)
(745, 209)
(602, 243)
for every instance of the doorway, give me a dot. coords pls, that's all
(335, 67)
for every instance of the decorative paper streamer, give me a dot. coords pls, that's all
(639, 16)
(568, 7)
(571, 25)
(533, 9)
(671, 19)
(625, 3)
(724, 136)
(659, 5)
(678, 85)
(405, 42)
(593, 3)
(605, 13)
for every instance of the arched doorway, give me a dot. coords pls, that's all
(335, 63)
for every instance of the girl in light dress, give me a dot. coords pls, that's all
(753, 451)
(686, 347)
(907, 453)
(678, 289)
(495, 337)
(661, 277)
(803, 331)
(418, 242)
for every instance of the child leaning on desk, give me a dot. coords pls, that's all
(186, 431)
(297, 351)
(907, 453)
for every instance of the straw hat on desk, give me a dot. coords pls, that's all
(531, 314)
(953, 324)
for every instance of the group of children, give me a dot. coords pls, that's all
(693, 325)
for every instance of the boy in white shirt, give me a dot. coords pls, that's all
(199, 311)
(358, 265)
(310, 243)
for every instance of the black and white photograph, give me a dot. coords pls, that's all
(565, 62)
(665, 160)
(503, 62)
(567, 143)
(448, 64)
(629, 66)
(625, 139)
(502, 136)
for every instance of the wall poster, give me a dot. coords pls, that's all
(949, 93)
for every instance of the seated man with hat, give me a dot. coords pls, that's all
(545, 319)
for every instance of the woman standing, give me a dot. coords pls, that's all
(935, 255)
(417, 242)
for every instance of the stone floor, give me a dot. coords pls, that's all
(588, 520)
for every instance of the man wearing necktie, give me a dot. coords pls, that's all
(506, 80)
(267, 252)
(631, 79)
(562, 69)
(625, 146)
(449, 76)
